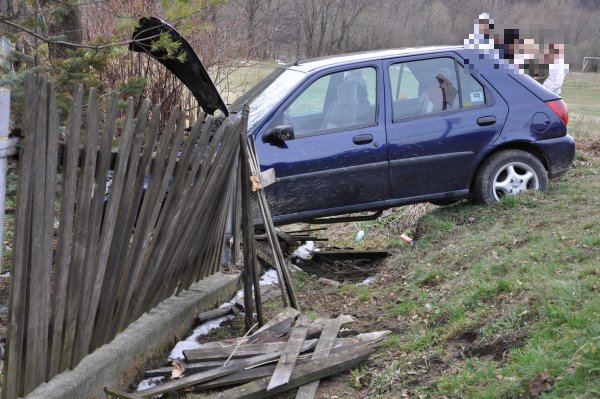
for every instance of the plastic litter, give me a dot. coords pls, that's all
(359, 235)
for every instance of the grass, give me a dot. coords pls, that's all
(541, 283)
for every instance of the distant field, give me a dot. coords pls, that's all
(238, 81)
(581, 92)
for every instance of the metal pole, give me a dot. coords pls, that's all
(4, 121)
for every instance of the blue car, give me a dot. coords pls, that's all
(373, 130)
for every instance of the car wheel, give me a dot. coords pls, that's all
(508, 172)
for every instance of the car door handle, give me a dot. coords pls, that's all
(486, 120)
(362, 139)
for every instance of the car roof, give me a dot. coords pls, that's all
(322, 62)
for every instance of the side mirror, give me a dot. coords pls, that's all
(279, 134)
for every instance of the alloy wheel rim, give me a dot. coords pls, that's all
(514, 178)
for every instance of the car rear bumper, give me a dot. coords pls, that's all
(559, 153)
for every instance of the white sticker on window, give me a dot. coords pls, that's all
(476, 96)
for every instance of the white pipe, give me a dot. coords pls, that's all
(4, 121)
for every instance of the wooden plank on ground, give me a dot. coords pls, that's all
(196, 367)
(303, 374)
(273, 332)
(198, 378)
(192, 368)
(322, 350)
(288, 358)
(214, 313)
(215, 353)
(241, 377)
(285, 314)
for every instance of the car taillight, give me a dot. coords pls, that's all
(560, 108)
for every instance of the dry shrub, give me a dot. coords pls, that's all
(218, 45)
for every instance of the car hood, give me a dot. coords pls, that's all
(191, 72)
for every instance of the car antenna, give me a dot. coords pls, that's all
(296, 62)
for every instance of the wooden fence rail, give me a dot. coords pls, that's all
(90, 257)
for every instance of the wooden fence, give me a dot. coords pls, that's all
(90, 258)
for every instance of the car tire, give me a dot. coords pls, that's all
(508, 172)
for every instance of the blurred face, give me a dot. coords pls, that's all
(484, 26)
(558, 50)
(530, 47)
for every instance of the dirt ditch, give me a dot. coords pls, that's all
(342, 265)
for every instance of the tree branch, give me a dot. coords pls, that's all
(62, 42)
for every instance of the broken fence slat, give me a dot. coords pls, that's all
(207, 375)
(286, 313)
(214, 353)
(192, 368)
(288, 358)
(196, 367)
(303, 374)
(245, 376)
(322, 350)
(115, 393)
(214, 313)
(273, 332)
(240, 377)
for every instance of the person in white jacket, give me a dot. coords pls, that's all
(481, 38)
(558, 68)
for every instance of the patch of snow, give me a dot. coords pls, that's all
(149, 383)
(269, 278)
(368, 281)
(305, 251)
(191, 342)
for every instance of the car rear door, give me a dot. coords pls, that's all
(439, 118)
(338, 157)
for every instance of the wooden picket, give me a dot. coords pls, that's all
(119, 250)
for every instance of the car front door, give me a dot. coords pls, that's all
(439, 119)
(338, 157)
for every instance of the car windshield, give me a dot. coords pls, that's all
(267, 93)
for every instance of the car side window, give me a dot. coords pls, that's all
(341, 100)
(403, 82)
(423, 87)
(472, 92)
(312, 99)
